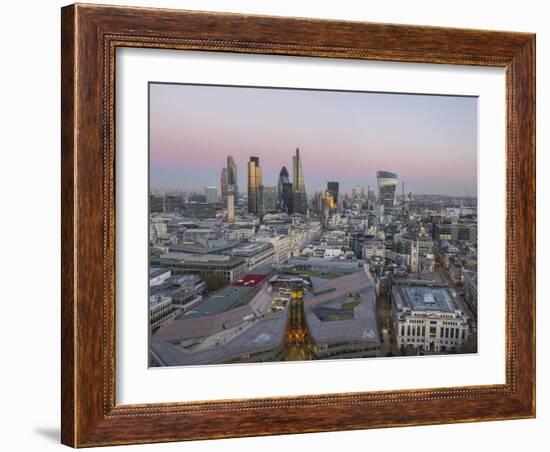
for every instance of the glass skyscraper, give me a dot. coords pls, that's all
(254, 182)
(284, 178)
(267, 200)
(232, 176)
(228, 181)
(387, 184)
(333, 188)
(299, 197)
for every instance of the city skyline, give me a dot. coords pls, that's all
(262, 255)
(191, 161)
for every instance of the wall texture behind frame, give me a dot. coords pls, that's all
(32, 185)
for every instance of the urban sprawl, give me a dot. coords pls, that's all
(272, 273)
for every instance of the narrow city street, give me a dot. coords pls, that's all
(298, 346)
(384, 319)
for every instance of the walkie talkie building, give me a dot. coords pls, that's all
(387, 185)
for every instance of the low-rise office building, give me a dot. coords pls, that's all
(466, 232)
(255, 254)
(161, 311)
(210, 244)
(470, 288)
(200, 210)
(239, 232)
(427, 316)
(373, 247)
(327, 252)
(281, 244)
(226, 268)
(158, 276)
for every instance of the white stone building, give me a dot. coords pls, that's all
(282, 246)
(428, 317)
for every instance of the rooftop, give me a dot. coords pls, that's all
(250, 280)
(223, 300)
(324, 265)
(343, 309)
(386, 174)
(201, 246)
(421, 296)
(253, 337)
(155, 271)
(251, 249)
(428, 298)
(218, 259)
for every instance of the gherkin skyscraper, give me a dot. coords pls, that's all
(284, 205)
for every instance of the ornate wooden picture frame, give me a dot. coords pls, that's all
(90, 37)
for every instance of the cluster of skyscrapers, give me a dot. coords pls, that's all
(267, 273)
(287, 196)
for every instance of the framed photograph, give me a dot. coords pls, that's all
(282, 225)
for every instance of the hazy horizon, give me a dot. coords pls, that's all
(429, 141)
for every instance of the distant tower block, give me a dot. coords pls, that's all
(299, 197)
(387, 183)
(211, 194)
(232, 176)
(332, 188)
(254, 182)
(230, 207)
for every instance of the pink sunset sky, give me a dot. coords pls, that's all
(429, 141)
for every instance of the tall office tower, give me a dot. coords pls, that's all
(283, 179)
(332, 188)
(318, 202)
(299, 202)
(287, 197)
(328, 199)
(387, 184)
(223, 188)
(230, 207)
(299, 198)
(267, 199)
(228, 180)
(232, 176)
(297, 172)
(211, 193)
(254, 182)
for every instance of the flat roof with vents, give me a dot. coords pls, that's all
(428, 298)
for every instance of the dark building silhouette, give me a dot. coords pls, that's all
(299, 197)
(287, 198)
(284, 178)
(332, 188)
